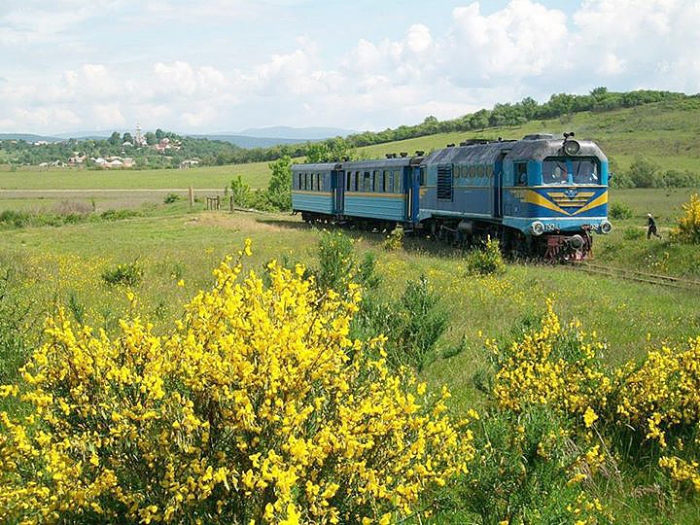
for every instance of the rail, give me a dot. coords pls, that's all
(636, 276)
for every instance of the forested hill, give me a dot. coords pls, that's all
(168, 150)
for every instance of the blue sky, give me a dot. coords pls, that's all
(228, 65)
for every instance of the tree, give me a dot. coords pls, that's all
(115, 139)
(279, 191)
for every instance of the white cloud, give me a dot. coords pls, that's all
(259, 69)
(524, 39)
(107, 116)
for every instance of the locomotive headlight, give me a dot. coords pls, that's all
(571, 147)
(605, 227)
(537, 228)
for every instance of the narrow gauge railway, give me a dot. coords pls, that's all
(636, 276)
(540, 196)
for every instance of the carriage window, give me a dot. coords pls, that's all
(520, 169)
(367, 182)
(386, 187)
(397, 181)
(377, 182)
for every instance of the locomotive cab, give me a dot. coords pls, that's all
(559, 194)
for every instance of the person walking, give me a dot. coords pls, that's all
(651, 227)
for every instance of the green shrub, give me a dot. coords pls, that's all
(170, 198)
(130, 274)
(394, 241)
(646, 174)
(632, 234)
(525, 471)
(240, 192)
(413, 326)
(486, 261)
(618, 210)
(115, 215)
(621, 180)
(17, 219)
(681, 179)
(14, 313)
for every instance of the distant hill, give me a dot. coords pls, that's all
(247, 142)
(28, 137)
(302, 134)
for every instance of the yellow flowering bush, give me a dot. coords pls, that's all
(255, 407)
(647, 410)
(688, 230)
(553, 365)
(660, 399)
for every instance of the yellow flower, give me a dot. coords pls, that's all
(589, 417)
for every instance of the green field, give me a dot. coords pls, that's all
(62, 266)
(256, 174)
(175, 247)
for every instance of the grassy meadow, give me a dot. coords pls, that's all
(176, 248)
(172, 250)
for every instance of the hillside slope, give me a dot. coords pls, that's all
(665, 132)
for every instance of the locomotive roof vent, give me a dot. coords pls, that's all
(450, 145)
(403, 154)
(538, 136)
(472, 142)
(420, 153)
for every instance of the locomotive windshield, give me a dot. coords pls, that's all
(570, 171)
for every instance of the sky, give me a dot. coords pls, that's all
(227, 65)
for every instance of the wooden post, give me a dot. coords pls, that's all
(191, 196)
(230, 203)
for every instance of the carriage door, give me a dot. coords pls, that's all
(338, 188)
(498, 186)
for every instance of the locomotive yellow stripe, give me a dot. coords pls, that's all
(580, 194)
(602, 199)
(310, 192)
(533, 197)
(352, 194)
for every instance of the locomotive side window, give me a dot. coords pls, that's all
(421, 176)
(520, 173)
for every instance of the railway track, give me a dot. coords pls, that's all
(636, 276)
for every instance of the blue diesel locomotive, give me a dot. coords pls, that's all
(539, 195)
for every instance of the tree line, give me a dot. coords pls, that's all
(216, 152)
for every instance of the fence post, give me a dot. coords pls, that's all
(191, 196)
